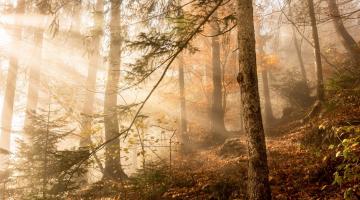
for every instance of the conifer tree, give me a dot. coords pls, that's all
(43, 171)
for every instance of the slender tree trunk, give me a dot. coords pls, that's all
(241, 123)
(34, 73)
(320, 83)
(89, 101)
(298, 52)
(347, 40)
(224, 92)
(258, 172)
(94, 60)
(9, 97)
(208, 93)
(261, 42)
(183, 118)
(217, 112)
(34, 78)
(299, 56)
(264, 75)
(268, 110)
(113, 168)
(8, 106)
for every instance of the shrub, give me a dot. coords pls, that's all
(151, 182)
(348, 172)
(294, 90)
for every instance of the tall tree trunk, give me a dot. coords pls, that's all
(94, 60)
(183, 118)
(349, 43)
(267, 106)
(208, 93)
(320, 83)
(258, 172)
(264, 75)
(261, 41)
(8, 106)
(300, 58)
(217, 112)
(9, 97)
(223, 84)
(88, 107)
(241, 123)
(298, 52)
(34, 78)
(113, 168)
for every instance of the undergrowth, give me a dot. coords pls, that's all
(336, 134)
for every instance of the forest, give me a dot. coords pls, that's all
(179, 99)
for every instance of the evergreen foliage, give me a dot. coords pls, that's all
(41, 169)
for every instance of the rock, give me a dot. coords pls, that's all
(232, 147)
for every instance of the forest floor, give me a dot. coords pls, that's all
(297, 171)
(293, 173)
(300, 166)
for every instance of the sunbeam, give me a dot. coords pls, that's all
(185, 99)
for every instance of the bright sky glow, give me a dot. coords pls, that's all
(5, 38)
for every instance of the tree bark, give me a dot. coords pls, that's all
(8, 107)
(113, 168)
(347, 40)
(258, 172)
(319, 74)
(183, 118)
(217, 112)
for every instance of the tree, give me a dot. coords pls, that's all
(34, 72)
(217, 112)
(183, 115)
(258, 172)
(113, 168)
(183, 119)
(8, 107)
(44, 172)
(94, 57)
(319, 73)
(299, 54)
(261, 41)
(347, 40)
(269, 117)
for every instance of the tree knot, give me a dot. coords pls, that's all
(239, 78)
